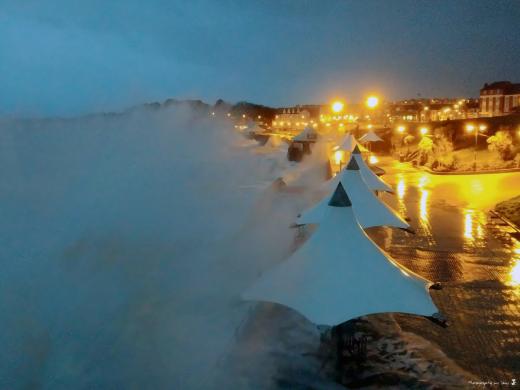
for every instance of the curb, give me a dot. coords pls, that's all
(506, 220)
(512, 170)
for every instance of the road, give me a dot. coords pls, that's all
(458, 243)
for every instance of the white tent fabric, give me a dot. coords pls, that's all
(369, 210)
(370, 137)
(340, 274)
(373, 181)
(308, 134)
(348, 143)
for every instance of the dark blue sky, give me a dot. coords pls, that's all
(66, 57)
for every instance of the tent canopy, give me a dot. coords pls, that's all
(370, 137)
(373, 181)
(308, 134)
(369, 210)
(349, 143)
(340, 274)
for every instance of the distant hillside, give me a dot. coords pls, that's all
(250, 110)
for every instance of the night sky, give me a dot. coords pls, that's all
(67, 57)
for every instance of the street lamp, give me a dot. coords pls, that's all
(372, 101)
(423, 130)
(337, 106)
(470, 129)
(402, 130)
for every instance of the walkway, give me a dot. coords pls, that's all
(457, 242)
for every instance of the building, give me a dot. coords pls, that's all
(499, 98)
(405, 111)
(293, 118)
(432, 110)
(323, 117)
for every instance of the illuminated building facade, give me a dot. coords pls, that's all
(432, 110)
(499, 98)
(295, 118)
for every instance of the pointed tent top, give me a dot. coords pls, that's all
(348, 143)
(373, 182)
(370, 137)
(339, 260)
(368, 208)
(352, 165)
(340, 197)
(356, 150)
(308, 133)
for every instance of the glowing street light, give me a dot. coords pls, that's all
(337, 106)
(372, 101)
(338, 157)
(373, 160)
(423, 130)
(470, 129)
(402, 130)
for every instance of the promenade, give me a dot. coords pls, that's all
(477, 259)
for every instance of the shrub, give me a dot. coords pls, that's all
(517, 160)
(425, 150)
(443, 152)
(502, 144)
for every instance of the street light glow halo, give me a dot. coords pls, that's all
(337, 106)
(372, 101)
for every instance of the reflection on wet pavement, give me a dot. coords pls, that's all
(514, 274)
(474, 222)
(459, 243)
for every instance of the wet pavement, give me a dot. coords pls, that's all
(475, 256)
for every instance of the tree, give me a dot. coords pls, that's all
(408, 139)
(502, 143)
(443, 152)
(425, 149)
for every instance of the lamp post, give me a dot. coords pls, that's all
(471, 128)
(401, 130)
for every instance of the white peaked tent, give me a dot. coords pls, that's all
(308, 134)
(369, 210)
(349, 143)
(370, 137)
(373, 181)
(340, 274)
